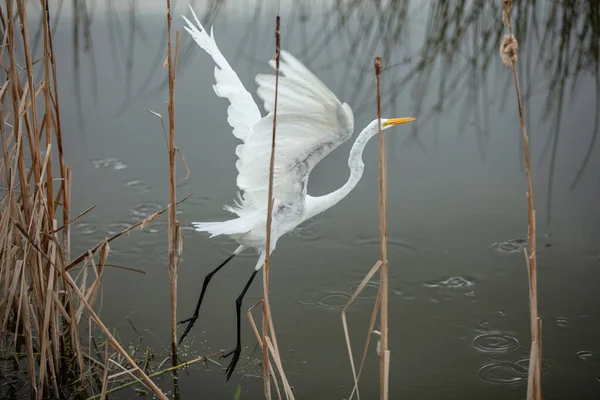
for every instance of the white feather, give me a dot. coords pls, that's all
(243, 112)
(311, 122)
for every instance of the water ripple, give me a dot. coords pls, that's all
(588, 356)
(406, 292)
(447, 289)
(333, 300)
(113, 163)
(329, 300)
(493, 342)
(391, 242)
(117, 227)
(86, 228)
(453, 282)
(155, 227)
(139, 186)
(369, 291)
(501, 373)
(145, 210)
(351, 267)
(506, 372)
(509, 246)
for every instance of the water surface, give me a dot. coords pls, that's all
(457, 217)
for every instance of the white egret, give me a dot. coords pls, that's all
(311, 122)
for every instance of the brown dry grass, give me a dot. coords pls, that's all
(381, 266)
(508, 53)
(269, 340)
(45, 301)
(384, 353)
(175, 235)
(266, 303)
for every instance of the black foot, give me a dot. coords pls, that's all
(234, 360)
(190, 322)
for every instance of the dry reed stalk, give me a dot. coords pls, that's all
(277, 361)
(22, 10)
(384, 371)
(67, 212)
(93, 315)
(141, 225)
(18, 258)
(352, 299)
(71, 221)
(266, 304)
(382, 267)
(46, 321)
(37, 303)
(105, 378)
(112, 339)
(53, 125)
(265, 351)
(158, 373)
(268, 325)
(173, 234)
(259, 339)
(16, 112)
(508, 53)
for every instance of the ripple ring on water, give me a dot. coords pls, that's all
(453, 282)
(117, 227)
(86, 228)
(494, 342)
(145, 210)
(507, 372)
(500, 373)
(509, 246)
(333, 300)
(369, 291)
(113, 163)
(588, 356)
(139, 185)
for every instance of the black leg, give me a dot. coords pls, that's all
(193, 319)
(238, 348)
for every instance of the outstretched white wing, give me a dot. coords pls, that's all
(242, 113)
(311, 122)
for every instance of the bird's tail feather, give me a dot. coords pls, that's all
(230, 227)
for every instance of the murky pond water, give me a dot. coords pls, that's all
(457, 218)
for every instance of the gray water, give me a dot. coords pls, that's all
(457, 216)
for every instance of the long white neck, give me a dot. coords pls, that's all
(316, 205)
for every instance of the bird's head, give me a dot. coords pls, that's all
(388, 123)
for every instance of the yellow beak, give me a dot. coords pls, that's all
(398, 121)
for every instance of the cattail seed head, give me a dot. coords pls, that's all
(378, 65)
(509, 49)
